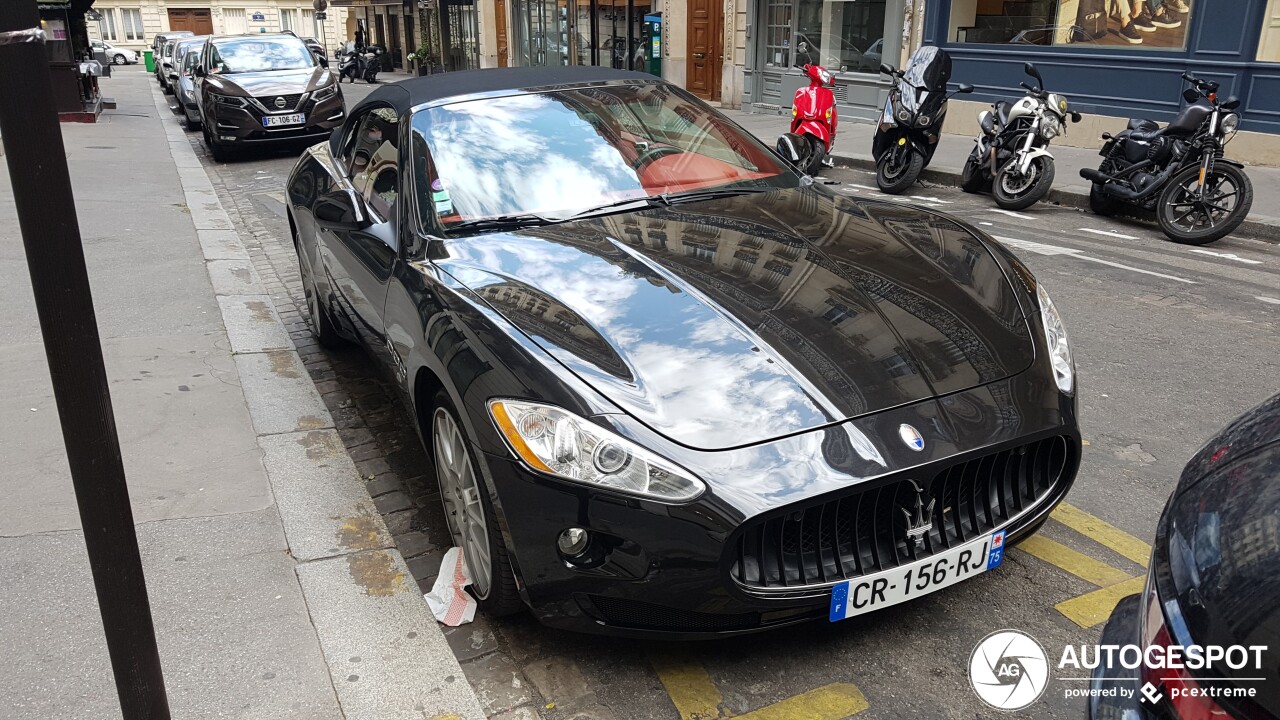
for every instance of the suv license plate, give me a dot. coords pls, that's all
(278, 120)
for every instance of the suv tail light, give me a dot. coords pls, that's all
(1155, 631)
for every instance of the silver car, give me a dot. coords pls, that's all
(184, 89)
(157, 47)
(115, 55)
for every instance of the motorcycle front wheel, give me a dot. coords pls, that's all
(1187, 218)
(898, 169)
(971, 179)
(1017, 191)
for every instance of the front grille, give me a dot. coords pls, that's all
(269, 102)
(865, 531)
(624, 613)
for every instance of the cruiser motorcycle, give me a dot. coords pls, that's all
(911, 124)
(1178, 170)
(1011, 151)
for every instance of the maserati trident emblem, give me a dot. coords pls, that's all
(921, 522)
(281, 102)
(911, 437)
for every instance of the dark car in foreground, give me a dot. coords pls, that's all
(669, 386)
(1213, 581)
(264, 89)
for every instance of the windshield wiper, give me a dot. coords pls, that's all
(505, 222)
(712, 194)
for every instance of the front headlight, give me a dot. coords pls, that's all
(561, 444)
(325, 93)
(1055, 335)
(232, 100)
(923, 120)
(904, 116)
(1229, 125)
(1049, 127)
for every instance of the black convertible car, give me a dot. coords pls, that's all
(670, 386)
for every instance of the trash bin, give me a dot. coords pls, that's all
(149, 58)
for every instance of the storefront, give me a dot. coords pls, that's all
(851, 38)
(448, 29)
(1119, 58)
(609, 33)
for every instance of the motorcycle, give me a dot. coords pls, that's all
(1011, 150)
(363, 64)
(813, 123)
(911, 124)
(1178, 171)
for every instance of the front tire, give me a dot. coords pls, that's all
(217, 150)
(119, 59)
(895, 173)
(971, 179)
(1014, 191)
(469, 512)
(1187, 220)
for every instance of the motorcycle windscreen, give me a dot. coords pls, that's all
(926, 75)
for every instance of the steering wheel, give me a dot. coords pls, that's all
(654, 153)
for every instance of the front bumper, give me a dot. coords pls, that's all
(669, 570)
(243, 125)
(1117, 689)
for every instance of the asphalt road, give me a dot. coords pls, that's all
(1171, 342)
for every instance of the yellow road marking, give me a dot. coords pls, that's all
(1076, 563)
(1099, 531)
(690, 687)
(829, 702)
(696, 697)
(1092, 608)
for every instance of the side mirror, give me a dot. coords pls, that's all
(964, 88)
(1190, 95)
(340, 210)
(1232, 103)
(1030, 69)
(324, 61)
(886, 69)
(1076, 116)
(199, 71)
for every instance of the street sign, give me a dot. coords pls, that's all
(322, 15)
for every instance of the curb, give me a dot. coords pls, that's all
(350, 573)
(1262, 229)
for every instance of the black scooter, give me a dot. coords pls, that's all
(911, 123)
(360, 63)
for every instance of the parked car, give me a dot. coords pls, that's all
(181, 47)
(115, 55)
(670, 386)
(315, 47)
(1213, 580)
(254, 89)
(184, 85)
(166, 65)
(157, 46)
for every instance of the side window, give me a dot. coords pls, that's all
(375, 161)
(215, 60)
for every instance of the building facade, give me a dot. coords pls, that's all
(1083, 50)
(133, 23)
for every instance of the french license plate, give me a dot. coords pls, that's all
(873, 592)
(278, 120)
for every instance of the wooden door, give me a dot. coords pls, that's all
(705, 47)
(197, 20)
(500, 21)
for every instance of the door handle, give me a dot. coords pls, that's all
(699, 56)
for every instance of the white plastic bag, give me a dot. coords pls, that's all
(449, 601)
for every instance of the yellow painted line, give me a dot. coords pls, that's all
(1093, 608)
(690, 687)
(1103, 533)
(1076, 563)
(829, 702)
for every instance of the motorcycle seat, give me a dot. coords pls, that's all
(1142, 124)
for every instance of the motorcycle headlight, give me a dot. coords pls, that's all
(559, 443)
(1055, 334)
(904, 116)
(1049, 127)
(1229, 125)
(923, 120)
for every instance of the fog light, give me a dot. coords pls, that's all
(573, 542)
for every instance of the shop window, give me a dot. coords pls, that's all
(1143, 24)
(777, 40)
(841, 35)
(132, 20)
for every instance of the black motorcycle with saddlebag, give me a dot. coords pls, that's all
(1177, 171)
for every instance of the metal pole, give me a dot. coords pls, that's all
(55, 258)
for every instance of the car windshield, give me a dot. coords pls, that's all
(245, 55)
(560, 153)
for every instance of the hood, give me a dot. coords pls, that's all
(275, 82)
(732, 322)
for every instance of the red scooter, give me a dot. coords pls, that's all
(813, 123)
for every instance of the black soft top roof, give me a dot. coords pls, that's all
(409, 93)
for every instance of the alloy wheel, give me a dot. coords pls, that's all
(463, 504)
(1014, 183)
(1188, 211)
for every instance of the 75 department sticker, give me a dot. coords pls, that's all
(1008, 670)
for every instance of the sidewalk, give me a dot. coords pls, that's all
(853, 149)
(275, 588)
